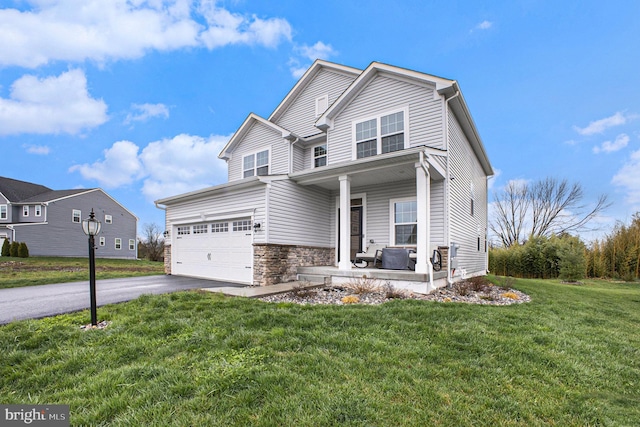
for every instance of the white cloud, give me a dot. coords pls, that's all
(492, 180)
(119, 167)
(620, 142)
(319, 50)
(59, 104)
(165, 168)
(599, 126)
(484, 25)
(181, 164)
(147, 111)
(102, 30)
(628, 178)
(41, 150)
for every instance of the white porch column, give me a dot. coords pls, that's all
(344, 261)
(423, 190)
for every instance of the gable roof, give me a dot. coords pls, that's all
(53, 195)
(304, 81)
(446, 87)
(15, 191)
(244, 128)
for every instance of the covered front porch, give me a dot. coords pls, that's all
(379, 184)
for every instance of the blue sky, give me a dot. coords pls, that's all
(138, 97)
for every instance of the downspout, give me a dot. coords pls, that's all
(448, 202)
(292, 143)
(429, 264)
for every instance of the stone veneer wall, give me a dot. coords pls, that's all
(278, 263)
(444, 250)
(167, 259)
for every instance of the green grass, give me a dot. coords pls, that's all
(15, 272)
(571, 357)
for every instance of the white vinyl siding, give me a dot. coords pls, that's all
(465, 228)
(259, 138)
(300, 116)
(423, 124)
(299, 215)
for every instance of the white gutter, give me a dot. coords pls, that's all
(429, 264)
(448, 179)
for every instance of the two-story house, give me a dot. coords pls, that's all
(50, 221)
(349, 158)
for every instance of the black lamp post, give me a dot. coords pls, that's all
(91, 227)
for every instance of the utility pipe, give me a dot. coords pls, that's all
(448, 193)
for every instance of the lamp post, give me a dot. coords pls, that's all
(91, 227)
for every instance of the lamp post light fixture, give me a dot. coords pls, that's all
(91, 227)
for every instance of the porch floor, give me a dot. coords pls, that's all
(372, 273)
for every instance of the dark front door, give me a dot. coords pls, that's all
(356, 230)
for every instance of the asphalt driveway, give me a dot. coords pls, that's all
(34, 302)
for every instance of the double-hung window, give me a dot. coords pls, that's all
(76, 216)
(405, 222)
(256, 164)
(319, 155)
(25, 210)
(38, 210)
(3, 212)
(379, 135)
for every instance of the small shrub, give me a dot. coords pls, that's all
(6, 248)
(23, 250)
(13, 250)
(301, 290)
(478, 283)
(506, 283)
(364, 285)
(510, 295)
(350, 299)
(391, 292)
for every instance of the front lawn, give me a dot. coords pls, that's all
(15, 272)
(571, 357)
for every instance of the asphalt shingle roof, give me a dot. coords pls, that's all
(17, 191)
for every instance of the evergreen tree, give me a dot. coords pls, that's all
(6, 248)
(13, 250)
(23, 250)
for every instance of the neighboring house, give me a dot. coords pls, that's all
(50, 221)
(349, 158)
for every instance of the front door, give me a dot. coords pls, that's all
(356, 230)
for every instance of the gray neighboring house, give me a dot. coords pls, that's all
(50, 221)
(349, 159)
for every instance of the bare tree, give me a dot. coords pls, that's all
(543, 208)
(152, 243)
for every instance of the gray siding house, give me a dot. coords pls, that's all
(50, 221)
(349, 159)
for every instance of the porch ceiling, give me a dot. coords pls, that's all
(385, 168)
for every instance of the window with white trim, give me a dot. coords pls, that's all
(220, 227)
(322, 103)
(132, 245)
(103, 241)
(255, 164)
(76, 216)
(244, 225)
(25, 211)
(405, 222)
(37, 210)
(118, 243)
(108, 219)
(319, 155)
(379, 135)
(184, 230)
(200, 229)
(3, 212)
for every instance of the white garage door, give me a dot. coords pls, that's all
(219, 250)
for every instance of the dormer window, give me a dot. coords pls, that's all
(256, 164)
(381, 134)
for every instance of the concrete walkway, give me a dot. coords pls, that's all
(263, 291)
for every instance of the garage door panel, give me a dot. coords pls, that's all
(226, 256)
